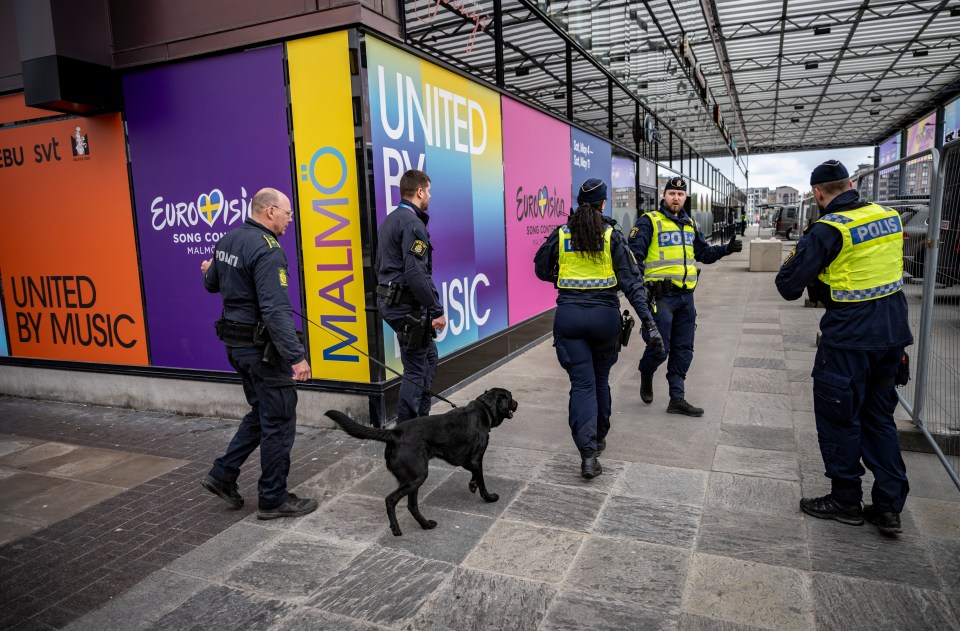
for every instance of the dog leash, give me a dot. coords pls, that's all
(375, 361)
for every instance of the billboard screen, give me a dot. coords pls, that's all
(205, 136)
(890, 150)
(329, 212)
(536, 166)
(624, 192)
(424, 117)
(68, 258)
(951, 121)
(922, 134)
(590, 157)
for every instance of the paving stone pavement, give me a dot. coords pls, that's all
(694, 524)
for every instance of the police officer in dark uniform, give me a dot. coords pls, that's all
(588, 261)
(668, 245)
(406, 296)
(249, 270)
(852, 261)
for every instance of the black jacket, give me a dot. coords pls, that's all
(249, 270)
(405, 256)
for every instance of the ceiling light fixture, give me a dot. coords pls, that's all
(811, 65)
(798, 107)
(522, 71)
(921, 53)
(875, 99)
(821, 30)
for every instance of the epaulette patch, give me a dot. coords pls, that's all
(634, 231)
(789, 256)
(282, 273)
(271, 241)
(419, 248)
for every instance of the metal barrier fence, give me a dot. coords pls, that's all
(932, 285)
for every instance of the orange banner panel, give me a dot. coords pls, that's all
(14, 109)
(68, 260)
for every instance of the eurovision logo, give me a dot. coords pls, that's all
(80, 145)
(540, 205)
(209, 208)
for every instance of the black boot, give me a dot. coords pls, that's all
(601, 445)
(646, 388)
(887, 522)
(589, 465)
(680, 406)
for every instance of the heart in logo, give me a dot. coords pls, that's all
(210, 206)
(542, 195)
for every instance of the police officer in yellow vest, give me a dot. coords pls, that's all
(588, 261)
(668, 245)
(852, 259)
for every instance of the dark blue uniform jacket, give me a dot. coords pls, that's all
(868, 325)
(642, 232)
(249, 270)
(630, 282)
(405, 256)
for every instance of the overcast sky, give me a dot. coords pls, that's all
(792, 169)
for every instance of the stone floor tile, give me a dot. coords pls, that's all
(807, 441)
(758, 330)
(684, 486)
(10, 443)
(481, 600)
(749, 593)
(752, 408)
(381, 483)
(230, 608)
(12, 528)
(337, 478)
(648, 575)
(759, 362)
(382, 586)
(221, 554)
(349, 518)
(23, 458)
(454, 494)
(693, 622)
(854, 604)
(291, 567)
(928, 478)
(762, 341)
(151, 599)
(525, 550)
(557, 506)
(653, 521)
(18, 487)
(571, 611)
(310, 619)
(752, 350)
(62, 501)
(946, 555)
(759, 380)
(774, 540)
(864, 553)
(763, 463)
(775, 438)
(762, 495)
(77, 463)
(937, 518)
(455, 535)
(801, 375)
(512, 462)
(134, 470)
(564, 469)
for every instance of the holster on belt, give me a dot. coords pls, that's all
(395, 294)
(626, 327)
(416, 332)
(240, 333)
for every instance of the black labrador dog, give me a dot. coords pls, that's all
(460, 437)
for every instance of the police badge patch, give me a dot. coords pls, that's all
(283, 276)
(789, 256)
(419, 248)
(634, 231)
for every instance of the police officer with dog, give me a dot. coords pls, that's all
(668, 245)
(407, 297)
(852, 261)
(249, 270)
(588, 261)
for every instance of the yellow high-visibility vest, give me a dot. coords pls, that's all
(670, 255)
(578, 270)
(870, 263)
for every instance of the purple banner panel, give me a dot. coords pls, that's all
(205, 136)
